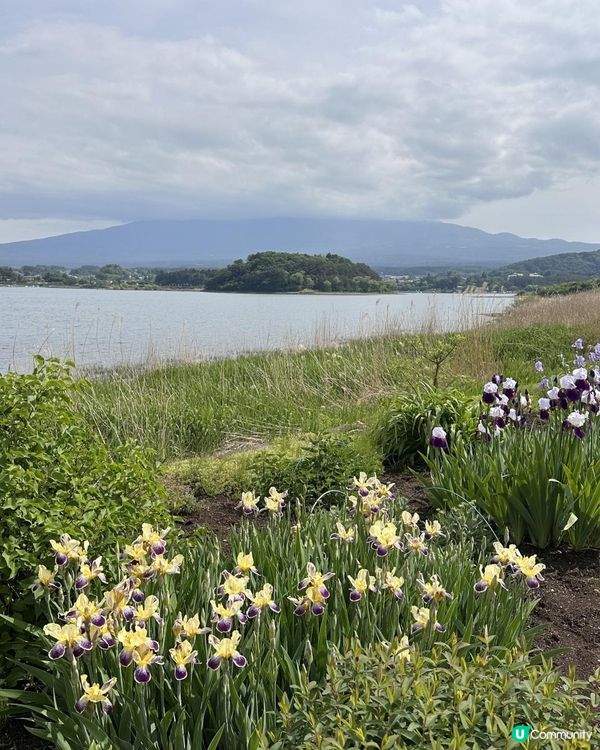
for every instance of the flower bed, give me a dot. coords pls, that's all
(188, 649)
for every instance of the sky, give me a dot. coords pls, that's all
(479, 112)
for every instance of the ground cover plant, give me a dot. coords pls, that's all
(202, 647)
(388, 697)
(533, 467)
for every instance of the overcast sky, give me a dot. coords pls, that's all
(483, 112)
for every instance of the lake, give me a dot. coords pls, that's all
(106, 328)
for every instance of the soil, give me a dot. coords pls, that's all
(568, 610)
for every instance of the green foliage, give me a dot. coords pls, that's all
(325, 464)
(403, 430)
(56, 476)
(569, 287)
(446, 699)
(239, 705)
(529, 482)
(295, 272)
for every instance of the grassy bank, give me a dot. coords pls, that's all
(195, 408)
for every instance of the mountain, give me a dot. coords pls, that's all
(204, 242)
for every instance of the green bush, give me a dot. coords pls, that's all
(403, 430)
(56, 477)
(532, 482)
(326, 463)
(447, 699)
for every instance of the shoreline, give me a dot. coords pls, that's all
(309, 293)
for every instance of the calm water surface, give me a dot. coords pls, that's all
(103, 328)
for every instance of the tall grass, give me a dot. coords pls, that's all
(187, 408)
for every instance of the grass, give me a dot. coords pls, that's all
(186, 409)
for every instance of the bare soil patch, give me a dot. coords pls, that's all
(569, 609)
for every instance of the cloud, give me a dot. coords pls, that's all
(390, 109)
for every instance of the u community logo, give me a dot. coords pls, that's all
(524, 732)
(521, 732)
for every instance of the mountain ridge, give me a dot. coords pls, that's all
(385, 243)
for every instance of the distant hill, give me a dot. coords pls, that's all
(558, 268)
(296, 272)
(215, 243)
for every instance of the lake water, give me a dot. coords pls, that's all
(103, 328)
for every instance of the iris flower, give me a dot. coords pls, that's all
(223, 614)
(144, 657)
(163, 567)
(416, 543)
(95, 694)
(364, 484)
(104, 636)
(245, 564)
(233, 587)
(149, 610)
(182, 655)
(576, 421)
(433, 530)
(88, 572)
(152, 539)
(68, 550)
(261, 600)
(361, 584)
(370, 503)
(225, 649)
(86, 611)
(391, 582)
(313, 601)
(531, 570)
(132, 641)
(410, 521)
(344, 535)
(383, 537)
(439, 438)
(506, 556)
(424, 618)
(275, 501)
(188, 627)
(248, 503)
(316, 580)
(491, 578)
(489, 393)
(116, 601)
(45, 581)
(433, 591)
(69, 639)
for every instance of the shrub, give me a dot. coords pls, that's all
(57, 476)
(325, 464)
(402, 432)
(392, 699)
(234, 703)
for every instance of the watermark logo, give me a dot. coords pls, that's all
(524, 732)
(521, 732)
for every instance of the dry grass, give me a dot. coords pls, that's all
(581, 310)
